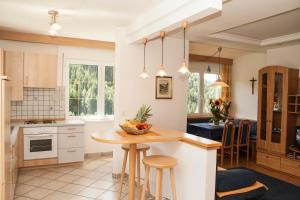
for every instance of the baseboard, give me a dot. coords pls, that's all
(100, 154)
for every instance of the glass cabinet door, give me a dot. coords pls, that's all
(263, 107)
(277, 107)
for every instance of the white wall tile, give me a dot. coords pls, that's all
(39, 103)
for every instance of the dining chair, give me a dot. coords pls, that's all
(227, 142)
(243, 139)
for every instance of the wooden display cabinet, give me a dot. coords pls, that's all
(276, 123)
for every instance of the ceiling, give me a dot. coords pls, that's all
(245, 26)
(241, 26)
(89, 19)
(209, 50)
(278, 25)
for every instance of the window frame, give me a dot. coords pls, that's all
(101, 91)
(201, 70)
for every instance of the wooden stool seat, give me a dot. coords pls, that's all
(139, 147)
(159, 161)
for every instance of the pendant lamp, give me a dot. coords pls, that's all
(219, 83)
(144, 74)
(162, 71)
(184, 69)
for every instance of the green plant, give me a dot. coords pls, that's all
(143, 113)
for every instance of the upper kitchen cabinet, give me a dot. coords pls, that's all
(13, 69)
(1, 62)
(40, 70)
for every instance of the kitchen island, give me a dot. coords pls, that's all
(196, 157)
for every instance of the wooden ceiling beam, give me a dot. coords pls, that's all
(209, 59)
(56, 40)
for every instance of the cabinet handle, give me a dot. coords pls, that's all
(72, 136)
(71, 129)
(71, 151)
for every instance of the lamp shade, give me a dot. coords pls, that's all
(55, 26)
(162, 72)
(184, 69)
(144, 74)
(219, 83)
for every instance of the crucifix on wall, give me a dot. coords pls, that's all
(253, 80)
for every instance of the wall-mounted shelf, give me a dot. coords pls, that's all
(294, 104)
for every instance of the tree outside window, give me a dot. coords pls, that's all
(207, 92)
(85, 84)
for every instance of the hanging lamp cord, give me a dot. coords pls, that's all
(219, 50)
(162, 50)
(145, 55)
(184, 29)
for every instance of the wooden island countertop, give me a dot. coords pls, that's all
(156, 134)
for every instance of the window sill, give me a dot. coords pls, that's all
(93, 120)
(199, 116)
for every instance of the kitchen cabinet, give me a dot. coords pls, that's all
(1, 62)
(40, 70)
(14, 70)
(6, 189)
(70, 144)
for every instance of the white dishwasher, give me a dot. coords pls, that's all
(70, 144)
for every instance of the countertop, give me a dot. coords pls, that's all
(157, 134)
(16, 125)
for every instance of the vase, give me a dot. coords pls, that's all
(216, 123)
(298, 138)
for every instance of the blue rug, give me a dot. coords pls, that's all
(278, 190)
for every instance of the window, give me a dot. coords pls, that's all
(193, 93)
(90, 89)
(210, 92)
(200, 92)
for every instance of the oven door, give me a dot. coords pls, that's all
(40, 146)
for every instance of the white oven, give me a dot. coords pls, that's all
(40, 143)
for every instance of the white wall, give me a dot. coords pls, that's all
(244, 103)
(68, 52)
(247, 66)
(133, 91)
(288, 56)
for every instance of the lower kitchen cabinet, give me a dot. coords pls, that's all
(71, 155)
(70, 144)
(70, 140)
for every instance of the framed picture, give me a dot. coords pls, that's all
(164, 87)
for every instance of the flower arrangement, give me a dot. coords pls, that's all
(219, 109)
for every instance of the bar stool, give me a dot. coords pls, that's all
(159, 162)
(140, 148)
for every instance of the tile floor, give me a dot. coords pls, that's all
(88, 181)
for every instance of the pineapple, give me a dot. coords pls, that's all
(143, 113)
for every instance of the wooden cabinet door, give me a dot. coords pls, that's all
(278, 111)
(40, 70)
(14, 70)
(263, 121)
(1, 62)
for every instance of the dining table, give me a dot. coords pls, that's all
(206, 130)
(156, 134)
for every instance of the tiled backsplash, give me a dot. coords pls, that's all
(40, 103)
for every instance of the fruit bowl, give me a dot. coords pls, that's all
(134, 131)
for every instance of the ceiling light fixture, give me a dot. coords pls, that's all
(144, 74)
(162, 71)
(54, 26)
(219, 83)
(184, 69)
